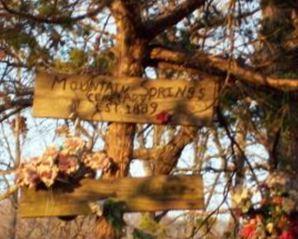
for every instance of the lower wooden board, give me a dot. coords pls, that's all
(136, 100)
(156, 193)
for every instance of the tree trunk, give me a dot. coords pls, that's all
(119, 139)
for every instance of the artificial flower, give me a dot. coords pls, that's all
(74, 145)
(286, 235)
(163, 117)
(248, 231)
(67, 164)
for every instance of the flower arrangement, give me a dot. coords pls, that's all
(275, 216)
(70, 162)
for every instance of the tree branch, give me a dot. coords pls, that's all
(220, 20)
(7, 171)
(19, 103)
(9, 192)
(203, 61)
(224, 123)
(54, 20)
(155, 27)
(165, 158)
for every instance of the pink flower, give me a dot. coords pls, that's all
(287, 235)
(97, 160)
(27, 175)
(74, 145)
(48, 177)
(50, 152)
(67, 164)
(32, 178)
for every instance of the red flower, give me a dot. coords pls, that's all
(2, 54)
(286, 235)
(163, 117)
(277, 200)
(294, 228)
(248, 231)
(292, 232)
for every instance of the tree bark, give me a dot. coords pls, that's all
(119, 139)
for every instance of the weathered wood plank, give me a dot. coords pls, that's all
(138, 194)
(103, 98)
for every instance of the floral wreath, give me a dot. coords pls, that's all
(276, 216)
(69, 163)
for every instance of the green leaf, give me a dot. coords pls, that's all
(46, 10)
(113, 210)
(78, 57)
(138, 234)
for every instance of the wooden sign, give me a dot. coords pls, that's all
(154, 193)
(104, 98)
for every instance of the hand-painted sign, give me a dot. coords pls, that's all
(155, 193)
(104, 98)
